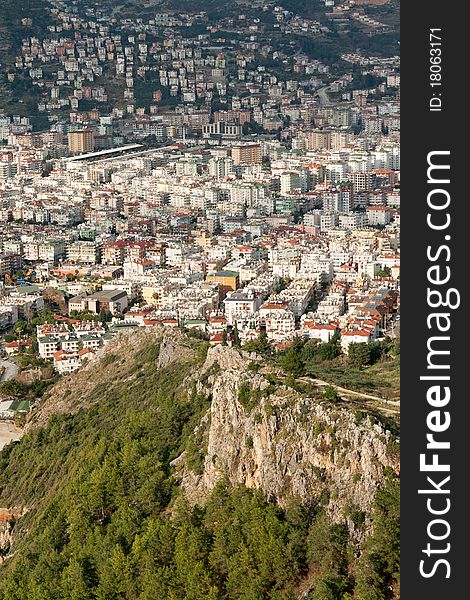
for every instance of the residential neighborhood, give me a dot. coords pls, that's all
(180, 179)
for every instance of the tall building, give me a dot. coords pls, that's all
(341, 117)
(7, 169)
(362, 181)
(290, 181)
(338, 200)
(220, 167)
(250, 154)
(318, 139)
(81, 142)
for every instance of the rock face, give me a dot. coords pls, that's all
(171, 350)
(286, 444)
(5, 538)
(257, 431)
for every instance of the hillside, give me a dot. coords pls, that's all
(18, 20)
(170, 470)
(21, 95)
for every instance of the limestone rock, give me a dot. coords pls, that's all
(287, 444)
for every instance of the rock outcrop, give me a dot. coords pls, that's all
(257, 432)
(272, 438)
(7, 518)
(5, 538)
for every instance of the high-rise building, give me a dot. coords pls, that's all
(341, 117)
(318, 140)
(81, 142)
(7, 169)
(338, 200)
(249, 154)
(220, 167)
(362, 181)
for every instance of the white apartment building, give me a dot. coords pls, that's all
(47, 346)
(280, 326)
(82, 252)
(241, 304)
(379, 215)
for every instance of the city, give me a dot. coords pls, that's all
(231, 175)
(294, 229)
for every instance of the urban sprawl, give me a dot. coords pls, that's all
(197, 180)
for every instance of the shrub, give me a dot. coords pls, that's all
(329, 393)
(248, 397)
(109, 359)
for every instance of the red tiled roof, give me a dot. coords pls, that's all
(85, 351)
(353, 332)
(274, 305)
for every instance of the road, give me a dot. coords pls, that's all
(360, 395)
(11, 370)
(323, 96)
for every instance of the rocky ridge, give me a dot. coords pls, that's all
(284, 443)
(257, 432)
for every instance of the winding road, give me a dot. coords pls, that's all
(395, 405)
(9, 370)
(323, 96)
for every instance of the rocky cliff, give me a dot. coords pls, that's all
(257, 432)
(273, 438)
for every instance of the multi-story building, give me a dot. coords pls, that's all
(241, 303)
(338, 200)
(83, 252)
(362, 181)
(115, 301)
(9, 262)
(220, 167)
(81, 142)
(248, 154)
(379, 215)
(318, 140)
(7, 169)
(47, 346)
(227, 280)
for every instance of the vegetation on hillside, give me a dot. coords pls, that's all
(19, 95)
(104, 517)
(368, 368)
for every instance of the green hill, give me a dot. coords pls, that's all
(96, 508)
(13, 29)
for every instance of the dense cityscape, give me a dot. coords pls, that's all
(246, 200)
